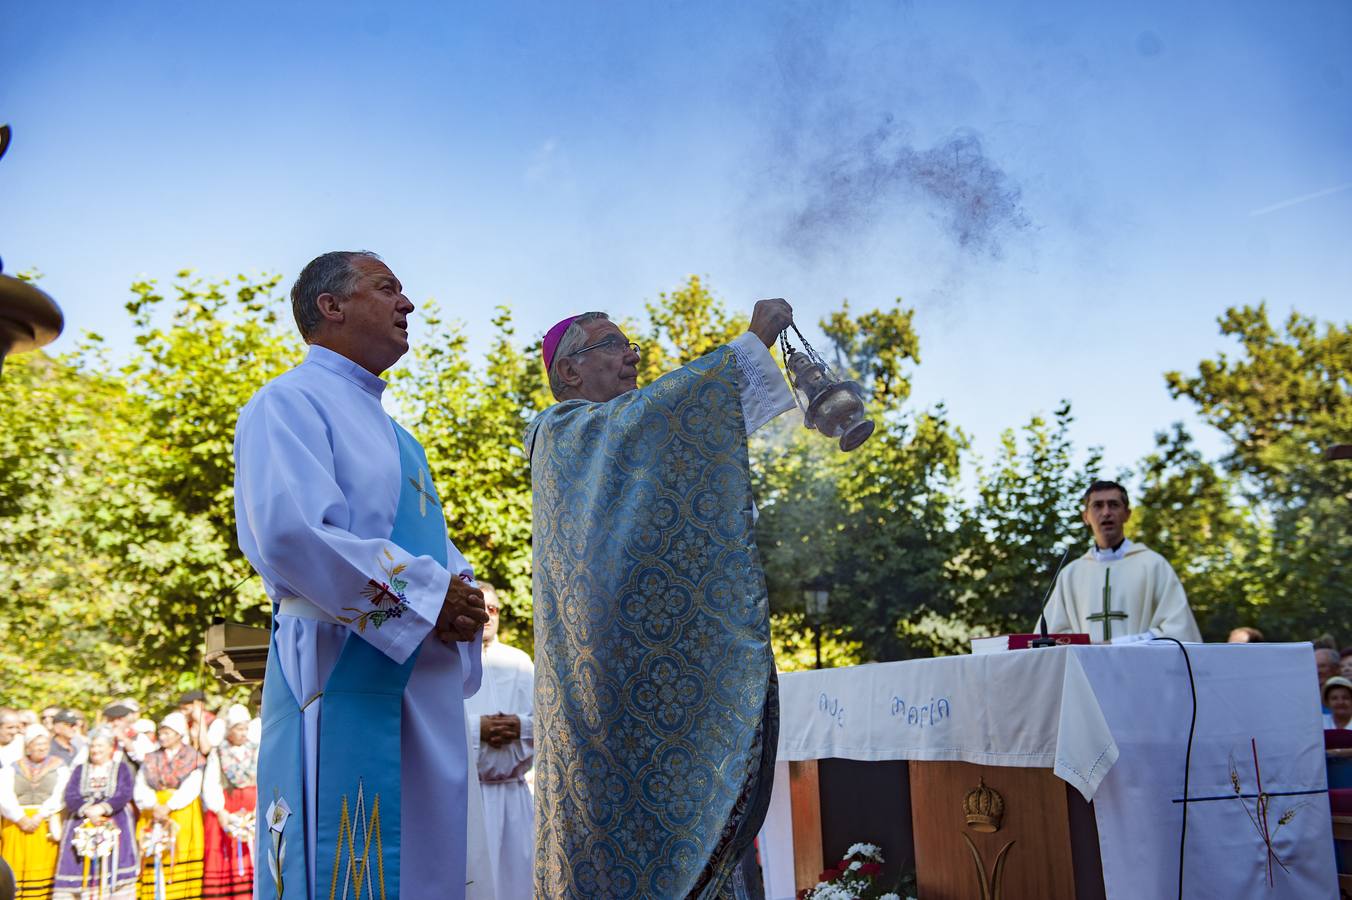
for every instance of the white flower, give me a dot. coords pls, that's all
(826, 891)
(854, 865)
(889, 897)
(868, 851)
(278, 812)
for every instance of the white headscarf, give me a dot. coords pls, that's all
(237, 714)
(175, 721)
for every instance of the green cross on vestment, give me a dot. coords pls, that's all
(1108, 614)
(420, 485)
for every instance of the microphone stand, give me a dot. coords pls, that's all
(1046, 640)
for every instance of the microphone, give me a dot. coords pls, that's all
(1045, 640)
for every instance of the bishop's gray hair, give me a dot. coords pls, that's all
(574, 338)
(330, 273)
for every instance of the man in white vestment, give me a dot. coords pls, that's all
(322, 487)
(503, 738)
(1119, 591)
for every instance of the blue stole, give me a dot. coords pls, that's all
(358, 827)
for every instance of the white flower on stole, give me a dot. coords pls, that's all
(278, 813)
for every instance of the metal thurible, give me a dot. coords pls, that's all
(832, 406)
(28, 317)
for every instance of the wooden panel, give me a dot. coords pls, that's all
(1038, 864)
(1342, 828)
(805, 801)
(869, 802)
(1084, 847)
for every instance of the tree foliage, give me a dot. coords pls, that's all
(1280, 403)
(470, 423)
(1190, 511)
(117, 532)
(1027, 515)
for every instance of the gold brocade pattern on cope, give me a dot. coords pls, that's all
(656, 716)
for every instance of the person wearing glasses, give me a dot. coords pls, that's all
(656, 710)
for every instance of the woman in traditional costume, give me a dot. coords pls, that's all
(31, 796)
(229, 795)
(98, 848)
(169, 794)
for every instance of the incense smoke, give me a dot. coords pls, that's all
(845, 168)
(847, 190)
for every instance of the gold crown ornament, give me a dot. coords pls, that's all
(984, 808)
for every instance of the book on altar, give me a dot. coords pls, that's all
(1021, 641)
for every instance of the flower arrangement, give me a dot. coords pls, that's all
(241, 826)
(852, 877)
(158, 840)
(95, 841)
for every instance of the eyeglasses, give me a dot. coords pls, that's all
(611, 344)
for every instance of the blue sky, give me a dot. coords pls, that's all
(1135, 169)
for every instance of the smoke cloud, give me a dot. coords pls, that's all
(854, 184)
(847, 172)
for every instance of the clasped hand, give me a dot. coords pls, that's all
(499, 730)
(462, 612)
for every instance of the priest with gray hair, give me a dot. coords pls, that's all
(376, 617)
(656, 707)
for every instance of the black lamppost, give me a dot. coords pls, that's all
(816, 599)
(28, 317)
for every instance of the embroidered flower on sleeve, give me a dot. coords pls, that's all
(386, 596)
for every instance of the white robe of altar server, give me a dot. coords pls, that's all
(1142, 585)
(509, 818)
(317, 489)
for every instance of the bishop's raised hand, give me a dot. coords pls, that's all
(769, 318)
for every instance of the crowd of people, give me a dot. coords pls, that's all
(1334, 668)
(129, 808)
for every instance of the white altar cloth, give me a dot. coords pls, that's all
(1112, 721)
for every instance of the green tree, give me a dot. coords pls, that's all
(57, 598)
(874, 524)
(1279, 403)
(683, 325)
(1028, 511)
(1190, 511)
(130, 498)
(470, 423)
(204, 348)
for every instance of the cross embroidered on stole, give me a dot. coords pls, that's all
(424, 493)
(1108, 613)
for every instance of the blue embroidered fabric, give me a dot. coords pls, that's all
(655, 703)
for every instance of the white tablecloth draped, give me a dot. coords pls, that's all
(1113, 722)
(1019, 708)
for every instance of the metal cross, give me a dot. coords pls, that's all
(420, 485)
(1108, 614)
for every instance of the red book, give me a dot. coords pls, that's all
(1021, 641)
